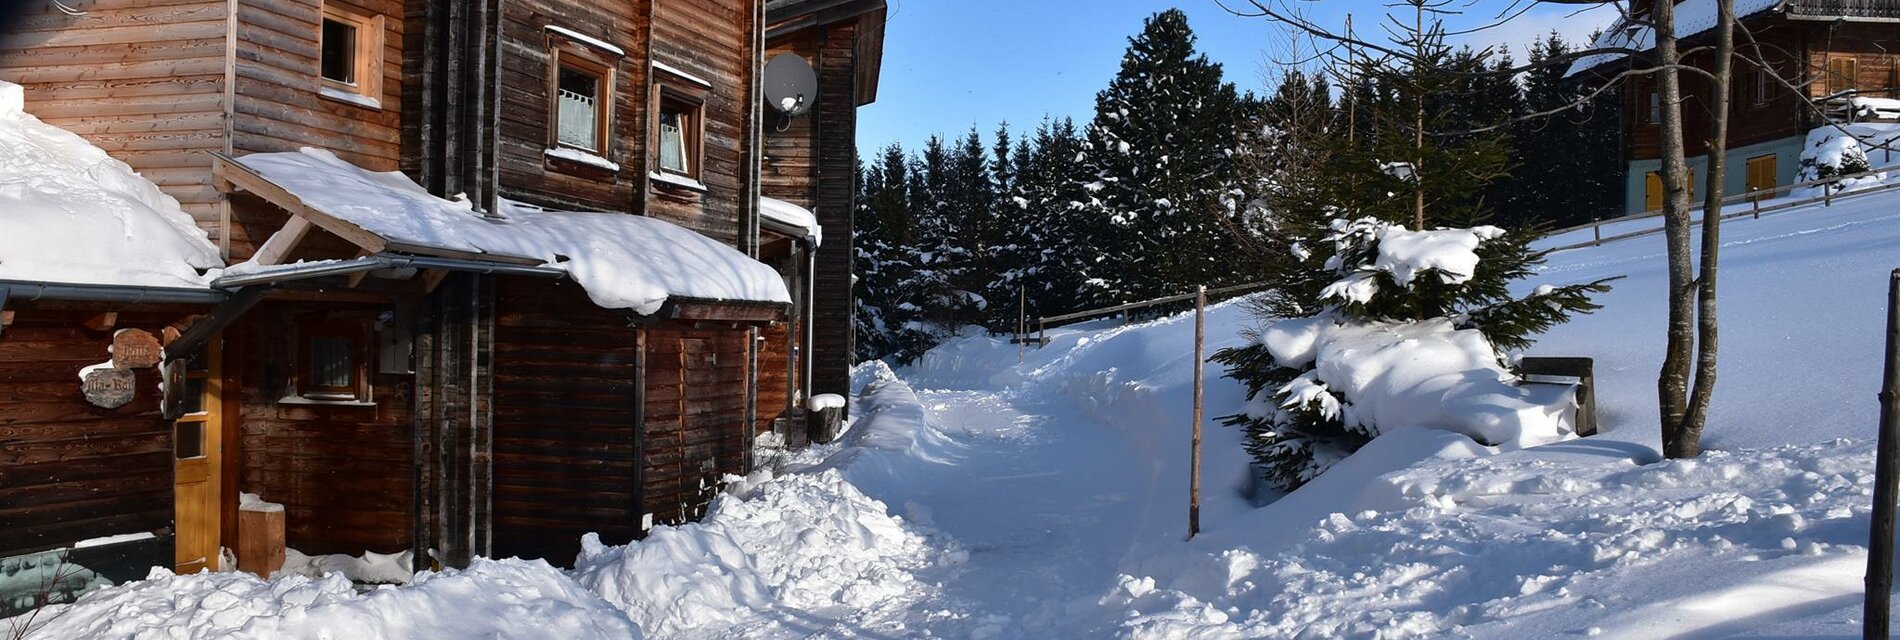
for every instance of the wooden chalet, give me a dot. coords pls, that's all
(1834, 51)
(397, 383)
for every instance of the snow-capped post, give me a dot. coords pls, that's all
(1886, 478)
(1194, 462)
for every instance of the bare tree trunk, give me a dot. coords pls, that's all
(1418, 120)
(1672, 386)
(1690, 433)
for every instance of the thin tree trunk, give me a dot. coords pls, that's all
(1672, 385)
(1690, 433)
(1418, 119)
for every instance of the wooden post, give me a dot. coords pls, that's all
(1596, 229)
(1194, 462)
(1886, 479)
(1022, 323)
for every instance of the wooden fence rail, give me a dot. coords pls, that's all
(1043, 323)
(1753, 198)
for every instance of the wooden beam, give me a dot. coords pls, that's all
(433, 278)
(103, 321)
(227, 168)
(280, 244)
(357, 278)
(6, 317)
(210, 325)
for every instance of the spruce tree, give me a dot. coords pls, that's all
(1164, 175)
(880, 259)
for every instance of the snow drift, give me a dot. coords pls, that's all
(71, 214)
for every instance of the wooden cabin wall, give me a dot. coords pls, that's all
(777, 374)
(696, 428)
(1785, 115)
(566, 411)
(144, 81)
(791, 154)
(343, 473)
(713, 40)
(71, 471)
(526, 130)
(278, 105)
(837, 122)
(1873, 46)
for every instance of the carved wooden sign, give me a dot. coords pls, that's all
(110, 388)
(135, 349)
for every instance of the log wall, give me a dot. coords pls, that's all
(525, 132)
(566, 390)
(837, 122)
(713, 41)
(71, 471)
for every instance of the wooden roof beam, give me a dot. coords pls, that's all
(232, 174)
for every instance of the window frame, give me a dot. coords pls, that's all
(1836, 78)
(565, 54)
(692, 104)
(310, 330)
(1761, 86)
(367, 62)
(1653, 110)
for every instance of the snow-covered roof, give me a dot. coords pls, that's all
(623, 261)
(70, 214)
(794, 216)
(1692, 17)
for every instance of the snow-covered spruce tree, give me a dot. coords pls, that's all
(930, 297)
(879, 258)
(1390, 327)
(1161, 150)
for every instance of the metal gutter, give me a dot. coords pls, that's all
(21, 290)
(379, 262)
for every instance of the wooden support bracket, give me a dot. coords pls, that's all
(103, 321)
(433, 278)
(6, 317)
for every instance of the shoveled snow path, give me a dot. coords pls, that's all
(1043, 509)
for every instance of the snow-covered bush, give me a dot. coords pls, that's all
(1833, 156)
(1399, 329)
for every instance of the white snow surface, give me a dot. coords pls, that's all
(794, 216)
(71, 214)
(1451, 252)
(623, 261)
(499, 599)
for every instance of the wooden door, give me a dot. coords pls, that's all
(1653, 192)
(1761, 175)
(198, 452)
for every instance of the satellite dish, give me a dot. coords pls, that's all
(791, 87)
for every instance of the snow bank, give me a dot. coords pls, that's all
(71, 214)
(491, 599)
(800, 542)
(1425, 374)
(372, 567)
(1848, 148)
(623, 261)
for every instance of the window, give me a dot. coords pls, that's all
(1764, 85)
(198, 401)
(1655, 107)
(331, 361)
(582, 87)
(350, 44)
(678, 134)
(1842, 75)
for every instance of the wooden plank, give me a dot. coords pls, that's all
(230, 170)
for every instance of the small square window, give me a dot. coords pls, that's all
(677, 140)
(331, 361)
(190, 441)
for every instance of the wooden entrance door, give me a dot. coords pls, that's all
(198, 452)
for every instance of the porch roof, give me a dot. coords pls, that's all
(623, 261)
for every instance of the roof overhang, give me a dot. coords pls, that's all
(789, 17)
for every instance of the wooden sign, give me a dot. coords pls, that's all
(135, 349)
(110, 388)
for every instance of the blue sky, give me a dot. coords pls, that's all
(949, 64)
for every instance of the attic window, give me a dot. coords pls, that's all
(350, 46)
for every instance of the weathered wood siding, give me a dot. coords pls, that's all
(777, 374)
(343, 473)
(143, 80)
(790, 171)
(837, 122)
(695, 417)
(71, 471)
(566, 422)
(526, 132)
(713, 41)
